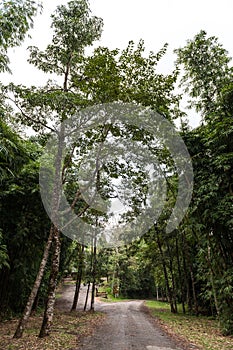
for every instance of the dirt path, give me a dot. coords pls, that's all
(126, 326)
(64, 302)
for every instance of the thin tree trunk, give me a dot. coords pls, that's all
(157, 293)
(27, 311)
(79, 279)
(35, 304)
(115, 272)
(173, 292)
(194, 292)
(93, 277)
(186, 277)
(208, 258)
(86, 300)
(94, 261)
(181, 278)
(169, 293)
(49, 308)
(89, 282)
(186, 263)
(53, 236)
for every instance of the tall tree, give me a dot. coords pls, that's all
(100, 78)
(206, 70)
(209, 75)
(73, 30)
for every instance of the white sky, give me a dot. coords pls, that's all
(157, 22)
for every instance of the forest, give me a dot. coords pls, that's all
(190, 265)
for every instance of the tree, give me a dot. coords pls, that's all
(206, 71)
(16, 18)
(44, 108)
(209, 76)
(73, 30)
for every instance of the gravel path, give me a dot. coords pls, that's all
(126, 326)
(64, 303)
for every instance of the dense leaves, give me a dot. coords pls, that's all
(16, 18)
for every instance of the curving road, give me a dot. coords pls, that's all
(127, 327)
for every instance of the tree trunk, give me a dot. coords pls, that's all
(157, 293)
(93, 277)
(27, 311)
(173, 291)
(53, 236)
(88, 288)
(194, 292)
(49, 307)
(185, 269)
(79, 279)
(169, 293)
(212, 279)
(59, 168)
(35, 304)
(181, 278)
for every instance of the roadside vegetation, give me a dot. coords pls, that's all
(198, 330)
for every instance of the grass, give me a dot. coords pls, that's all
(112, 299)
(201, 331)
(66, 332)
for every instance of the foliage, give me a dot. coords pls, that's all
(16, 18)
(13, 152)
(206, 71)
(3, 254)
(24, 226)
(210, 76)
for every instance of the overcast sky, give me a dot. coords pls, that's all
(157, 22)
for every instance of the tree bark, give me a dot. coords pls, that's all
(79, 279)
(212, 278)
(49, 308)
(194, 291)
(93, 277)
(86, 300)
(169, 292)
(181, 278)
(27, 311)
(173, 291)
